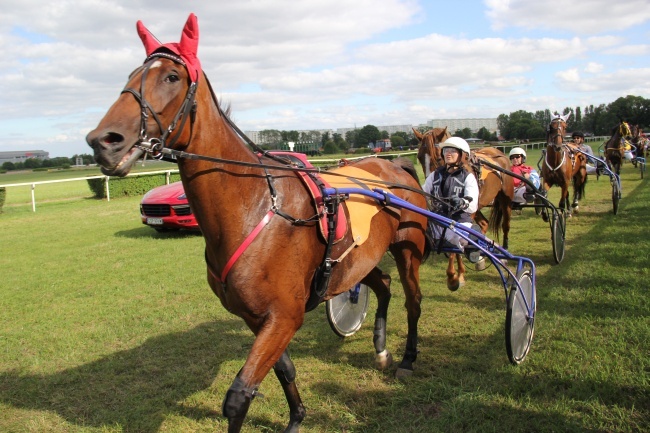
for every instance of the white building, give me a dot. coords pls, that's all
(22, 156)
(473, 124)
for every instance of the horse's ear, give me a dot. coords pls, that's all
(566, 117)
(189, 44)
(417, 133)
(150, 42)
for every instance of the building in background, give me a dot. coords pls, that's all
(23, 155)
(473, 124)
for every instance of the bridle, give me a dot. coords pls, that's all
(187, 109)
(552, 140)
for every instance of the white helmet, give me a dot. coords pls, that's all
(456, 143)
(517, 151)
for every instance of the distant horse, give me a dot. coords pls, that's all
(639, 141)
(563, 164)
(428, 142)
(615, 147)
(260, 223)
(495, 190)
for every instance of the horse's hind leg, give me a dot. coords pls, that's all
(286, 374)
(380, 285)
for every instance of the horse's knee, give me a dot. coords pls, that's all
(238, 399)
(284, 368)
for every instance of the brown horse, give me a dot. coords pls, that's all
(495, 190)
(562, 164)
(615, 147)
(429, 147)
(169, 107)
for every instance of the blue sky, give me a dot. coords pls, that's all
(283, 64)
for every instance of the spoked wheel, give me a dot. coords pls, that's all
(520, 318)
(616, 195)
(558, 234)
(347, 311)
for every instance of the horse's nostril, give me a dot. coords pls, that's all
(112, 138)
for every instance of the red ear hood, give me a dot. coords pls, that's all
(186, 49)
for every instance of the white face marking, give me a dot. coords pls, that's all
(156, 64)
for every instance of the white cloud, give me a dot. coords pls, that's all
(324, 63)
(569, 76)
(578, 16)
(593, 67)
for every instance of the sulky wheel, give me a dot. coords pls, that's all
(347, 311)
(558, 234)
(520, 318)
(616, 195)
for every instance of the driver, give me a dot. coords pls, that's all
(455, 182)
(579, 140)
(523, 192)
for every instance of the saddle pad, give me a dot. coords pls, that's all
(360, 208)
(485, 170)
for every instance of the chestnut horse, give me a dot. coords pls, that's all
(168, 107)
(495, 190)
(615, 147)
(562, 164)
(428, 142)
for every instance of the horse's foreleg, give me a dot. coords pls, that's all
(564, 200)
(271, 341)
(285, 371)
(380, 285)
(453, 280)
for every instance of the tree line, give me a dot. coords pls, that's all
(37, 163)
(597, 120)
(521, 124)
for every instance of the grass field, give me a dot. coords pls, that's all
(108, 326)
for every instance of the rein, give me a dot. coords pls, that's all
(158, 148)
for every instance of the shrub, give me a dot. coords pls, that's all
(129, 186)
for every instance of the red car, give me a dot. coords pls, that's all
(166, 208)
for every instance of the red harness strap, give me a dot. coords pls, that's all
(249, 240)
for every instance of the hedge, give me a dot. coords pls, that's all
(129, 186)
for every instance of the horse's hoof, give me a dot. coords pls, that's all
(480, 265)
(453, 286)
(403, 373)
(383, 360)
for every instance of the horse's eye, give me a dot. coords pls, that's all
(172, 78)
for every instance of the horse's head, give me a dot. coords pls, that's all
(624, 130)
(156, 108)
(429, 153)
(556, 130)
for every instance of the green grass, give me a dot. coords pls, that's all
(108, 326)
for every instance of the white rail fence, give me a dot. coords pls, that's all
(106, 182)
(535, 145)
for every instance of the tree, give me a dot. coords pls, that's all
(397, 142)
(33, 163)
(8, 165)
(351, 137)
(270, 137)
(330, 148)
(367, 134)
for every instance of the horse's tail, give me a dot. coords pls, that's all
(498, 213)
